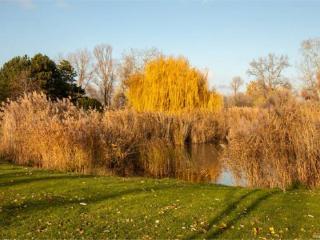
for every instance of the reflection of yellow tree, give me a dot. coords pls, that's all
(195, 163)
(171, 85)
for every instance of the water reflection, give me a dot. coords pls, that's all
(195, 163)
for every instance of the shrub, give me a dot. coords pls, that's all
(89, 103)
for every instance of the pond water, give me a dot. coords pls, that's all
(195, 163)
(209, 157)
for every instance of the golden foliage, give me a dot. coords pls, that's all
(171, 85)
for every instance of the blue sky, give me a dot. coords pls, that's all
(223, 36)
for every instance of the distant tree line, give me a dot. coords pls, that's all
(143, 77)
(90, 78)
(269, 84)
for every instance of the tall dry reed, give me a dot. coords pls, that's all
(273, 147)
(57, 135)
(279, 147)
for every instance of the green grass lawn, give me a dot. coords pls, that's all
(46, 204)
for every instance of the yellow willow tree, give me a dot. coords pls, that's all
(170, 84)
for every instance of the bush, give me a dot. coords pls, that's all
(89, 103)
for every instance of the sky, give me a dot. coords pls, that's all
(221, 36)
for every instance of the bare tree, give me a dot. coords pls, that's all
(267, 72)
(81, 61)
(235, 84)
(104, 72)
(132, 62)
(135, 60)
(310, 64)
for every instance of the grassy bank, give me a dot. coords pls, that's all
(46, 204)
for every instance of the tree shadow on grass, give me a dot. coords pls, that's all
(8, 166)
(228, 209)
(214, 233)
(31, 179)
(252, 206)
(7, 216)
(12, 174)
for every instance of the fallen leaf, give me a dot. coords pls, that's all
(271, 229)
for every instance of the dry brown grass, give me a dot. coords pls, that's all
(54, 135)
(274, 147)
(277, 147)
(57, 135)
